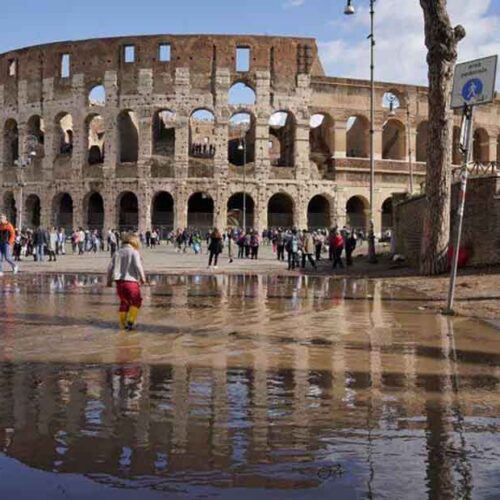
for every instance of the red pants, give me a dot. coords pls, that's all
(129, 293)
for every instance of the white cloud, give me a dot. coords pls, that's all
(293, 3)
(399, 35)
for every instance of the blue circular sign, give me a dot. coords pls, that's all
(472, 89)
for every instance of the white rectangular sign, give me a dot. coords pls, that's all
(474, 82)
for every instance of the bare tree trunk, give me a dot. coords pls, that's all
(441, 41)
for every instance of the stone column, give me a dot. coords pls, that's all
(145, 122)
(79, 217)
(263, 112)
(144, 196)
(494, 148)
(300, 212)
(109, 116)
(340, 139)
(377, 142)
(181, 207)
(302, 149)
(221, 164)
(181, 147)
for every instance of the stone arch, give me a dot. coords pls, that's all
(386, 214)
(357, 212)
(319, 212)
(62, 211)
(64, 133)
(241, 93)
(95, 129)
(97, 95)
(280, 211)
(481, 146)
(282, 126)
(456, 153)
(393, 140)
(162, 212)
(422, 139)
(32, 211)
(128, 137)
(200, 211)
(241, 139)
(36, 135)
(11, 142)
(235, 210)
(128, 211)
(358, 137)
(321, 138)
(93, 205)
(164, 133)
(202, 136)
(9, 207)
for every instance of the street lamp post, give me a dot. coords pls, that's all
(349, 10)
(410, 152)
(21, 163)
(243, 147)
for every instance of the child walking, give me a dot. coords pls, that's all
(126, 270)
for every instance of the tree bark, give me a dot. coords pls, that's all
(441, 40)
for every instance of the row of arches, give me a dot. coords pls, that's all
(200, 211)
(240, 142)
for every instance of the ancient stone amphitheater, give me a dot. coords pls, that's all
(171, 131)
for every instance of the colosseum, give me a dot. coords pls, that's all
(176, 131)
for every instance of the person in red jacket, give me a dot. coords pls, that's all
(7, 238)
(338, 247)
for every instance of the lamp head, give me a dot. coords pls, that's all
(349, 9)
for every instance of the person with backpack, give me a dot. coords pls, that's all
(350, 245)
(214, 247)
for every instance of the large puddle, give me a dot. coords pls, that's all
(243, 386)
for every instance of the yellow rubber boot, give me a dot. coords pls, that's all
(132, 316)
(123, 319)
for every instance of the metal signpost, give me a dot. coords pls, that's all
(473, 85)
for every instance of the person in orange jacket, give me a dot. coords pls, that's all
(7, 238)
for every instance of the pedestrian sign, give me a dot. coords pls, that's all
(474, 82)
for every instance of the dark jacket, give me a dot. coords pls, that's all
(40, 237)
(215, 245)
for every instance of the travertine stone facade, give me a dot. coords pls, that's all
(127, 168)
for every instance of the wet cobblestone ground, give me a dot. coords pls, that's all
(243, 385)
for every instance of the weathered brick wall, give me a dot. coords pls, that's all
(481, 228)
(408, 224)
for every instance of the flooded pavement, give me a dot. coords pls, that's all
(243, 386)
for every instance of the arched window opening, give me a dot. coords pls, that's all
(96, 139)
(280, 211)
(162, 214)
(318, 213)
(481, 146)
(202, 134)
(9, 207)
(33, 210)
(422, 139)
(97, 96)
(387, 215)
(241, 141)
(392, 101)
(282, 128)
(62, 212)
(358, 137)
(128, 137)
(36, 136)
(357, 213)
(64, 132)
(164, 133)
(241, 94)
(95, 211)
(236, 212)
(128, 212)
(11, 142)
(321, 139)
(200, 211)
(393, 141)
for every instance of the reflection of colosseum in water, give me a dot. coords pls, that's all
(170, 131)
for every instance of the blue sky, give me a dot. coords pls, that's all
(342, 40)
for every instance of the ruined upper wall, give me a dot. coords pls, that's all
(283, 57)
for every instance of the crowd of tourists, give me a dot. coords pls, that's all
(296, 248)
